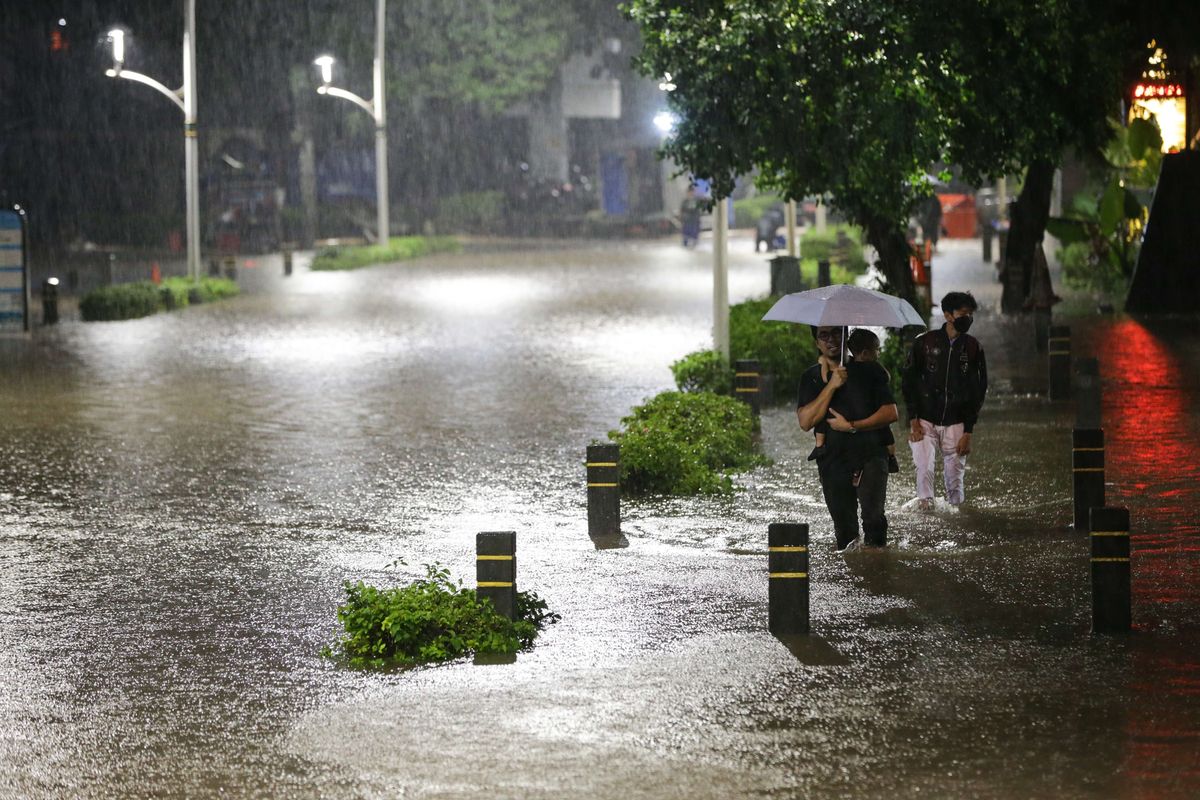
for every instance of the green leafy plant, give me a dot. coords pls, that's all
(120, 301)
(703, 371)
(845, 251)
(781, 348)
(685, 443)
(399, 248)
(1102, 235)
(431, 619)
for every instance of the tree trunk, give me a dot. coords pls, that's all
(1029, 217)
(891, 245)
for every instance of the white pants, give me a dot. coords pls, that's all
(943, 439)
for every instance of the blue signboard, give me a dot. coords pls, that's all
(14, 280)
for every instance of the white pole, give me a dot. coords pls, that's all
(721, 278)
(821, 222)
(380, 106)
(793, 248)
(191, 154)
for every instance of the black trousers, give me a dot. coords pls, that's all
(843, 499)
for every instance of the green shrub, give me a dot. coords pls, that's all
(399, 248)
(121, 301)
(684, 444)
(703, 371)
(837, 273)
(175, 292)
(783, 349)
(748, 210)
(432, 619)
(824, 246)
(1083, 269)
(211, 289)
(133, 300)
(471, 211)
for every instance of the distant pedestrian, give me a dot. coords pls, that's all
(854, 403)
(931, 220)
(944, 384)
(689, 217)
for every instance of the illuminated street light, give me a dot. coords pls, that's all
(376, 107)
(665, 121)
(185, 98)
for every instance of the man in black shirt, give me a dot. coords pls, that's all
(855, 402)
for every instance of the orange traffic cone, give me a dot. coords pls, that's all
(155, 273)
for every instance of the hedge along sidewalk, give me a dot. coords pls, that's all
(141, 299)
(398, 248)
(684, 443)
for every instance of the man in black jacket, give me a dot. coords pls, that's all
(852, 404)
(944, 383)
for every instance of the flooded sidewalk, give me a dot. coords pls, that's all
(182, 496)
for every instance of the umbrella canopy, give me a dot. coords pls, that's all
(844, 305)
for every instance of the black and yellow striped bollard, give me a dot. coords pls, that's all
(1059, 344)
(496, 570)
(1087, 473)
(1111, 586)
(745, 384)
(604, 489)
(787, 566)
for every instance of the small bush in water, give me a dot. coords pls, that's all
(398, 248)
(432, 619)
(703, 371)
(685, 443)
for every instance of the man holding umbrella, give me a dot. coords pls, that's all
(853, 403)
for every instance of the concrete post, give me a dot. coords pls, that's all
(745, 384)
(823, 272)
(1059, 345)
(1087, 471)
(787, 567)
(604, 489)
(496, 570)
(1111, 587)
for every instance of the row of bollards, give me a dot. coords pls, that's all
(1107, 526)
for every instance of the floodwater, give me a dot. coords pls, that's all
(182, 496)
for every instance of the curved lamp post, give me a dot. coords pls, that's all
(185, 98)
(376, 107)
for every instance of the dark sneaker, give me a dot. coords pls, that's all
(893, 465)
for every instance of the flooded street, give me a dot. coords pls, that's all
(182, 496)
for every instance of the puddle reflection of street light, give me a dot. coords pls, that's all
(376, 107)
(185, 98)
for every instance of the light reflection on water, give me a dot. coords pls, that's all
(181, 497)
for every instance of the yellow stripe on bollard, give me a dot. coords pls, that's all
(1087, 449)
(497, 584)
(603, 485)
(788, 574)
(789, 549)
(601, 463)
(1109, 559)
(1110, 533)
(1088, 469)
(494, 558)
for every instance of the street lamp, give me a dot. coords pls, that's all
(185, 98)
(376, 107)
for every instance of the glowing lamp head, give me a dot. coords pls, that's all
(325, 64)
(116, 38)
(665, 122)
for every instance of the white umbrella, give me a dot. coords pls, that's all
(844, 305)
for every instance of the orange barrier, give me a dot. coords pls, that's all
(958, 215)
